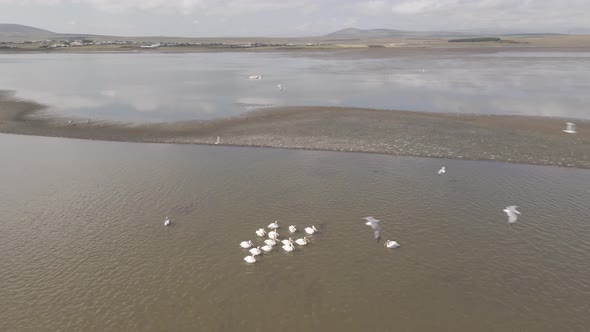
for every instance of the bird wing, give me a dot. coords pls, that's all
(374, 223)
(370, 219)
(378, 233)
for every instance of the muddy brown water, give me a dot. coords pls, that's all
(83, 246)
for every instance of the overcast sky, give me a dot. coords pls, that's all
(211, 18)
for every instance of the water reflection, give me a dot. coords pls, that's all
(170, 87)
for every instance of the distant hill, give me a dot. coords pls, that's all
(10, 32)
(353, 33)
(21, 29)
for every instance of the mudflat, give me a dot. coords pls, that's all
(519, 139)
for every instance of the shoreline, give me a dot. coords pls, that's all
(334, 50)
(515, 139)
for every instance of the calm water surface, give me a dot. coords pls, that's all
(169, 87)
(83, 248)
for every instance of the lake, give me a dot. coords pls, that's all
(83, 246)
(153, 87)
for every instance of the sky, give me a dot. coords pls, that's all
(294, 18)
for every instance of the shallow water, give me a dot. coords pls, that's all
(151, 87)
(83, 247)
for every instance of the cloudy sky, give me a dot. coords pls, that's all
(210, 18)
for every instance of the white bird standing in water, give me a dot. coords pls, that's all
(511, 212)
(310, 230)
(273, 235)
(570, 128)
(274, 225)
(167, 221)
(270, 242)
(250, 259)
(288, 247)
(246, 244)
(292, 229)
(261, 232)
(391, 244)
(255, 251)
(302, 241)
(374, 223)
(218, 140)
(443, 170)
(289, 241)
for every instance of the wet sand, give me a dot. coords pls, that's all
(518, 139)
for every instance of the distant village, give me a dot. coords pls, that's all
(62, 43)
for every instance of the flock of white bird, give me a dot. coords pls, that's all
(274, 239)
(289, 244)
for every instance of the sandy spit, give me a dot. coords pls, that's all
(518, 139)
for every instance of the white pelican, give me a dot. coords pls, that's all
(246, 244)
(270, 242)
(274, 225)
(289, 241)
(570, 128)
(301, 241)
(391, 244)
(292, 229)
(288, 247)
(273, 235)
(443, 170)
(266, 248)
(310, 230)
(511, 212)
(255, 251)
(167, 222)
(260, 232)
(250, 259)
(374, 223)
(218, 140)
(255, 77)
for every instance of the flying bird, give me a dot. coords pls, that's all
(167, 222)
(511, 212)
(374, 223)
(442, 170)
(570, 128)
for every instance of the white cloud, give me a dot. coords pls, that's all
(184, 7)
(371, 8)
(237, 17)
(421, 6)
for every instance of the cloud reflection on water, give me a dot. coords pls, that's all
(171, 87)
